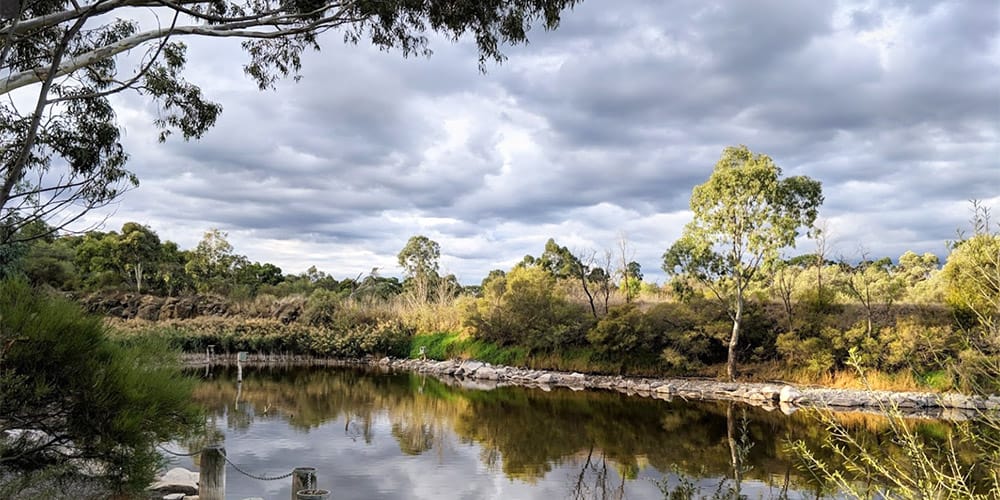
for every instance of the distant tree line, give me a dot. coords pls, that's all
(733, 295)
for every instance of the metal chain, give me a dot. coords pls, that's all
(259, 478)
(238, 469)
(176, 454)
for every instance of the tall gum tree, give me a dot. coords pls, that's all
(60, 149)
(743, 216)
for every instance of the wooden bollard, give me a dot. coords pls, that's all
(240, 358)
(212, 479)
(303, 478)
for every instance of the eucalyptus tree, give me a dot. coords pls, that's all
(420, 262)
(61, 60)
(137, 253)
(213, 263)
(562, 263)
(874, 285)
(743, 216)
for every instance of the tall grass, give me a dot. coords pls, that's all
(864, 471)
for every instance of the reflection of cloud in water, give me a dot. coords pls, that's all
(402, 436)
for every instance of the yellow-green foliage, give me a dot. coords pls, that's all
(434, 316)
(914, 342)
(972, 274)
(377, 337)
(525, 307)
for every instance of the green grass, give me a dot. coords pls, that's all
(449, 345)
(938, 380)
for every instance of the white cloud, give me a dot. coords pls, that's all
(599, 127)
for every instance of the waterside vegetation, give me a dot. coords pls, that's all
(909, 322)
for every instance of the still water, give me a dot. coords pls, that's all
(374, 435)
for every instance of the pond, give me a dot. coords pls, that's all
(382, 435)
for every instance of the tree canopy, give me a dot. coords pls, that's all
(743, 216)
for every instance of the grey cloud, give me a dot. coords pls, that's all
(625, 111)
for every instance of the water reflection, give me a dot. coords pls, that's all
(392, 435)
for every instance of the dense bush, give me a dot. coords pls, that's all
(230, 335)
(390, 338)
(677, 336)
(94, 399)
(914, 343)
(525, 307)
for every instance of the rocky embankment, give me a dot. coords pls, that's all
(786, 398)
(151, 307)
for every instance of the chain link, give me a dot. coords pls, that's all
(237, 467)
(177, 454)
(252, 476)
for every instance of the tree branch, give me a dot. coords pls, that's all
(236, 30)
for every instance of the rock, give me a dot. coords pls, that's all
(993, 403)
(771, 393)
(665, 389)
(487, 373)
(177, 480)
(446, 367)
(149, 307)
(788, 394)
(174, 496)
(665, 396)
(845, 400)
(469, 367)
(545, 378)
(952, 400)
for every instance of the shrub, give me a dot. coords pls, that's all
(917, 345)
(321, 308)
(99, 400)
(814, 354)
(622, 332)
(526, 308)
(390, 338)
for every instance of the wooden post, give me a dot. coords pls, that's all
(303, 478)
(212, 479)
(240, 358)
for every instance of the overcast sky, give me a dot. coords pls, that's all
(597, 129)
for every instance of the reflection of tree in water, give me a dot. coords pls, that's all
(413, 438)
(526, 433)
(595, 482)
